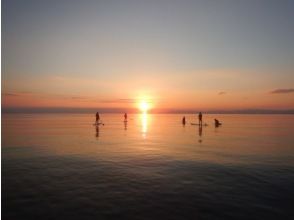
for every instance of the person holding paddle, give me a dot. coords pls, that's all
(200, 118)
(97, 117)
(184, 120)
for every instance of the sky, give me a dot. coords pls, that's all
(172, 54)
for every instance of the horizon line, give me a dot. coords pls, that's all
(77, 110)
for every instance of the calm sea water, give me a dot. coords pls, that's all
(58, 166)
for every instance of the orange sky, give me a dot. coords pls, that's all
(206, 93)
(103, 54)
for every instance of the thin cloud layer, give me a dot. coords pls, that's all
(117, 101)
(10, 94)
(282, 91)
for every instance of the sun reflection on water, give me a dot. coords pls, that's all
(144, 121)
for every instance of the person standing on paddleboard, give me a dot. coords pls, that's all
(97, 117)
(184, 120)
(200, 118)
(126, 117)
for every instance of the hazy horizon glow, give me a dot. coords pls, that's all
(171, 54)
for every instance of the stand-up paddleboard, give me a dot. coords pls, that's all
(199, 124)
(125, 121)
(98, 123)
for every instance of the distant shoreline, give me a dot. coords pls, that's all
(135, 111)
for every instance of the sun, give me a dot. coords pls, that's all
(144, 102)
(144, 106)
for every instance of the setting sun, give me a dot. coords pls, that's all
(144, 106)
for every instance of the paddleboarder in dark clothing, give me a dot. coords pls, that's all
(126, 117)
(184, 120)
(200, 118)
(97, 117)
(217, 123)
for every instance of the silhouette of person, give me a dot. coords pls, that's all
(126, 117)
(184, 120)
(97, 117)
(217, 123)
(200, 118)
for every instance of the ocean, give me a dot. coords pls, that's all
(61, 166)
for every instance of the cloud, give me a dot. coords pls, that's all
(222, 93)
(117, 101)
(78, 97)
(282, 91)
(10, 94)
(14, 94)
